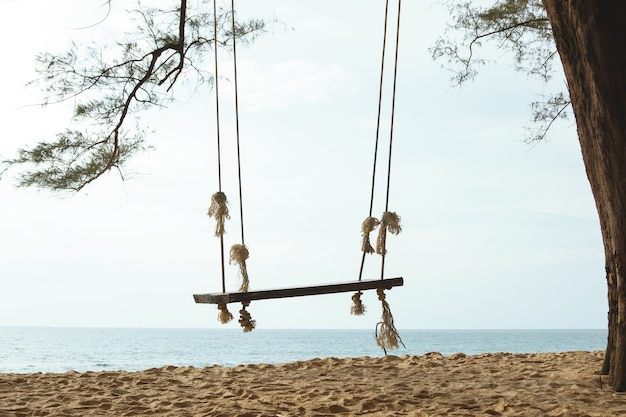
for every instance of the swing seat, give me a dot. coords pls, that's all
(234, 297)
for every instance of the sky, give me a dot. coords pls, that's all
(497, 234)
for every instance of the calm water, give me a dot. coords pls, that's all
(31, 349)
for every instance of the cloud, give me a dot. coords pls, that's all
(288, 83)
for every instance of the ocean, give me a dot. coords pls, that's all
(57, 349)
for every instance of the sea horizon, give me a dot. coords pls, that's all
(304, 329)
(82, 349)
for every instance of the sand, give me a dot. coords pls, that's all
(500, 384)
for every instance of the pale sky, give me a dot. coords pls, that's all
(497, 233)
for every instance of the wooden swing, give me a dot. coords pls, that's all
(237, 297)
(386, 334)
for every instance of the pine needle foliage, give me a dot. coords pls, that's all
(112, 84)
(519, 27)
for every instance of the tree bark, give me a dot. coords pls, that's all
(591, 39)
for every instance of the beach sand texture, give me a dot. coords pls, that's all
(499, 384)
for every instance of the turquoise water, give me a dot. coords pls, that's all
(31, 349)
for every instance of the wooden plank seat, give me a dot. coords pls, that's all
(234, 297)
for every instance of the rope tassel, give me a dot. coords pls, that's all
(224, 316)
(367, 227)
(238, 255)
(387, 336)
(219, 211)
(245, 319)
(389, 221)
(358, 308)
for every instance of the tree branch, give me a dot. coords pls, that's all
(111, 91)
(518, 26)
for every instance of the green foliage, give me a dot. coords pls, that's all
(546, 112)
(520, 27)
(517, 26)
(73, 160)
(111, 85)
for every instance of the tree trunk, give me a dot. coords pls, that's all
(590, 36)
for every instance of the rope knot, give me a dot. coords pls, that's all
(369, 224)
(389, 221)
(381, 294)
(238, 255)
(245, 319)
(219, 211)
(224, 316)
(219, 197)
(358, 308)
(387, 336)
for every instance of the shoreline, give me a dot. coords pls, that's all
(82, 350)
(496, 384)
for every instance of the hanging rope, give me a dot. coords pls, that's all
(238, 255)
(239, 252)
(390, 222)
(370, 223)
(391, 219)
(232, 15)
(219, 203)
(224, 316)
(387, 336)
(368, 226)
(358, 308)
(245, 319)
(219, 211)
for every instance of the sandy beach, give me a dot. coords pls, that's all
(499, 384)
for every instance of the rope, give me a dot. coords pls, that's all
(245, 319)
(365, 245)
(393, 110)
(219, 195)
(387, 336)
(219, 210)
(358, 308)
(219, 202)
(239, 252)
(224, 316)
(390, 222)
(238, 255)
(368, 226)
(232, 14)
(371, 223)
